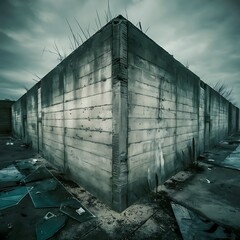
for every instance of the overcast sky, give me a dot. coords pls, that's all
(203, 34)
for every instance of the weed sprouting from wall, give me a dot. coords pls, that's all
(224, 90)
(24, 87)
(79, 34)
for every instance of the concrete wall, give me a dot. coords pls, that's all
(163, 114)
(120, 115)
(77, 115)
(233, 118)
(68, 115)
(5, 116)
(173, 115)
(25, 117)
(19, 117)
(31, 125)
(218, 118)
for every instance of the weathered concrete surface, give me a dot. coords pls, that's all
(5, 117)
(213, 192)
(172, 115)
(76, 102)
(19, 117)
(120, 115)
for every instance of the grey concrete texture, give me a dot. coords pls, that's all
(120, 115)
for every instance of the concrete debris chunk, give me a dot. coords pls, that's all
(49, 215)
(205, 180)
(80, 211)
(211, 160)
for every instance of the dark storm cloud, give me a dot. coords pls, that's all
(19, 50)
(203, 34)
(13, 54)
(17, 14)
(6, 86)
(7, 83)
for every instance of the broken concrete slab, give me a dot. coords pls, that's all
(46, 192)
(233, 160)
(224, 155)
(218, 200)
(193, 226)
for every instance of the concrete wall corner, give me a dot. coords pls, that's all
(120, 115)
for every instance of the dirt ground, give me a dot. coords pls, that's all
(151, 217)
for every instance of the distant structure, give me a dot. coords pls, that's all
(120, 115)
(5, 117)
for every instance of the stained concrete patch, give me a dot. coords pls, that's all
(159, 226)
(149, 218)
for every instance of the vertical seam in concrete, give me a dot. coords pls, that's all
(37, 121)
(64, 128)
(176, 74)
(42, 118)
(119, 115)
(197, 143)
